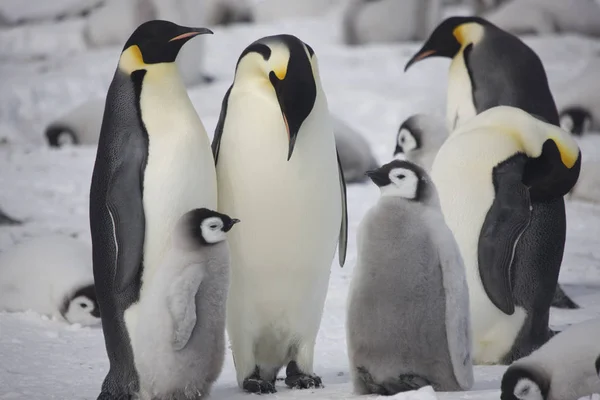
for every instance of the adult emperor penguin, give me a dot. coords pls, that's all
(565, 368)
(491, 67)
(491, 174)
(274, 148)
(150, 142)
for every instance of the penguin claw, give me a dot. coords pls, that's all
(258, 386)
(303, 381)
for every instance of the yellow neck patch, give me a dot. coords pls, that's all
(568, 154)
(131, 59)
(468, 33)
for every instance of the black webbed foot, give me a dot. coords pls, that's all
(296, 379)
(254, 384)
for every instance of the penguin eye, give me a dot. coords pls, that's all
(213, 226)
(401, 176)
(83, 305)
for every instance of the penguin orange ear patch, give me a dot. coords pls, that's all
(132, 59)
(468, 33)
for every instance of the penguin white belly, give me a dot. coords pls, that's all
(462, 173)
(291, 214)
(459, 106)
(180, 173)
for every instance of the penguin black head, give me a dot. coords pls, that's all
(522, 383)
(448, 38)
(288, 65)
(60, 135)
(576, 120)
(400, 178)
(207, 227)
(408, 138)
(158, 41)
(82, 307)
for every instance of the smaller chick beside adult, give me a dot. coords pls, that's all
(565, 368)
(419, 138)
(408, 291)
(180, 343)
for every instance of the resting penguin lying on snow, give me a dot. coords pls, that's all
(80, 126)
(354, 152)
(409, 269)
(544, 17)
(579, 100)
(52, 276)
(565, 368)
(389, 21)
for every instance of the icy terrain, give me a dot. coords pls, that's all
(43, 360)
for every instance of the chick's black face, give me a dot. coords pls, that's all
(160, 41)
(442, 42)
(207, 226)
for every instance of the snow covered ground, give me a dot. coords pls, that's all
(43, 359)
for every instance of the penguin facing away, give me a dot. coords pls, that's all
(491, 173)
(491, 67)
(408, 290)
(180, 329)
(275, 136)
(51, 275)
(419, 139)
(150, 140)
(565, 368)
(79, 126)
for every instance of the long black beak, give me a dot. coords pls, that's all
(230, 225)
(189, 33)
(421, 55)
(378, 177)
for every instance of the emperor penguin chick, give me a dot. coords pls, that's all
(492, 174)
(180, 330)
(274, 148)
(408, 308)
(565, 368)
(419, 138)
(153, 164)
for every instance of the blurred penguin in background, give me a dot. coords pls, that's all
(6, 219)
(419, 138)
(546, 17)
(481, 6)
(389, 21)
(80, 126)
(112, 24)
(354, 151)
(226, 12)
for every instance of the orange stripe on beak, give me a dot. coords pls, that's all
(184, 36)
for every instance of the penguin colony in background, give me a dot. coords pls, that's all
(162, 200)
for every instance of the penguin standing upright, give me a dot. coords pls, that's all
(274, 148)
(153, 164)
(419, 138)
(491, 67)
(491, 174)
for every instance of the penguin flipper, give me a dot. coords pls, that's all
(507, 219)
(216, 143)
(343, 240)
(182, 305)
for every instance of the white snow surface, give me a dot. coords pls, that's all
(45, 359)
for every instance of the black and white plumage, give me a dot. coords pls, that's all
(51, 275)
(354, 151)
(492, 175)
(408, 291)
(80, 126)
(565, 368)
(153, 164)
(491, 67)
(389, 21)
(180, 329)
(419, 138)
(274, 147)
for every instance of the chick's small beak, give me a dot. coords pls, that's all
(230, 225)
(191, 33)
(422, 54)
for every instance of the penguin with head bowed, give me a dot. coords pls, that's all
(419, 138)
(180, 334)
(274, 148)
(565, 368)
(410, 270)
(491, 174)
(491, 67)
(153, 164)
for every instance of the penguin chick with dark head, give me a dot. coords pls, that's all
(565, 368)
(153, 164)
(491, 67)
(180, 334)
(408, 291)
(419, 138)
